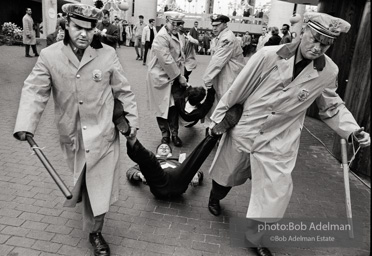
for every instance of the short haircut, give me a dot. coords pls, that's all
(62, 24)
(141, 16)
(286, 25)
(151, 20)
(104, 11)
(170, 148)
(195, 95)
(275, 31)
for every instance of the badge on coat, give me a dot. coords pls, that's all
(303, 95)
(97, 75)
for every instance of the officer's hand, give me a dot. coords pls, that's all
(182, 80)
(133, 133)
(22, 135)
(362, 137)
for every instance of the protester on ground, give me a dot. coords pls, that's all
(276, 87)
(168, 178)
(84, 82)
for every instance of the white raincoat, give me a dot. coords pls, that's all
(166, 63)
(265, 142)
(83, 94)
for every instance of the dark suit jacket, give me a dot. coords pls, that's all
(197, 114)
(112, 34)
(273, 40)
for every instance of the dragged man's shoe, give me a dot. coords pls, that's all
(165, 140)
(197, 179)
(177, 141)
(99, 244)
(263, 251)
(119, 119)
(231, 118)
(214, 206)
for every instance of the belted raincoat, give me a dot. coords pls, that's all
(166, 63)
(266, 140)
(83, 94)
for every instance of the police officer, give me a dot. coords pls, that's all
(84, 81)
(165, 70)
(226, 62)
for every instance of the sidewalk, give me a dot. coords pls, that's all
(34, 222)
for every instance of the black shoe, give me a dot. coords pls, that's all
(119, 119)
(99, 244)
(263, 251)
(36, 55)
(214, 206)
(165, 140)
(28, 56)
(176, 141)
(137, 58)
(231, 118)
(144, 64)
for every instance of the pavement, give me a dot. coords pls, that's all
(33, 221)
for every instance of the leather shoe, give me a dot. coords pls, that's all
(165, 140)
(214, 206)
(36, 55)
(28, 56)
(99, 244)
(176, 141)
(231, 118)
(263, 251)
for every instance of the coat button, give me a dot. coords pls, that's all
(78, 76)
(80, 102)
(261, 132)
(87, 150)
(273, 113)
(84, 127)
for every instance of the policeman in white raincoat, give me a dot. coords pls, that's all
(84, 79)
(165, 68)
(276, 87)
(227, 60)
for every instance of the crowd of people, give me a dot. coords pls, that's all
(255, 110)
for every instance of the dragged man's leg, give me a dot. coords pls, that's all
(148, 164)
(182, 175)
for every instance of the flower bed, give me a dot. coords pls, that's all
(11, 34)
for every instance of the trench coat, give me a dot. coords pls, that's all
(28, 30)
(83, 94)
(265, 142)
(226, 63)
(190, 54)
(166, 64)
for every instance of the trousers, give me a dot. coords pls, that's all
(170, 182)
